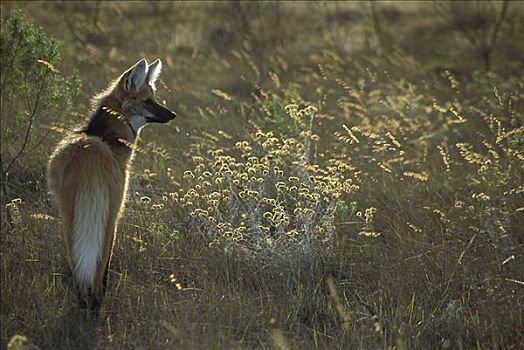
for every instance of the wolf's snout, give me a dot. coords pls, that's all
(161, 113)
(166, 116)
(172, 115)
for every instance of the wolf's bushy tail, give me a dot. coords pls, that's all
(91, 214)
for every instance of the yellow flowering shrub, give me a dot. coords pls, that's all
(264, 195)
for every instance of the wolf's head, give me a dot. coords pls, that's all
(138, 103)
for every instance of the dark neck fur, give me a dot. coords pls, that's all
(109, 125)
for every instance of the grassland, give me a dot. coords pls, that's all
(340, 176)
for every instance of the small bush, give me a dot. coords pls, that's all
(265, 195)
(35, 94)
(270, 114)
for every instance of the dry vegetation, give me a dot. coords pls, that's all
(340, 176)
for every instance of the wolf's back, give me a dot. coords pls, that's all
(83, 174)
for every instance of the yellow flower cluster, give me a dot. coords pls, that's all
(264, 191)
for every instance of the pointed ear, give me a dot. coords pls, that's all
(154, 71)
(136, 77)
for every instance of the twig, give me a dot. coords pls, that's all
(29, 126)
(503, 12)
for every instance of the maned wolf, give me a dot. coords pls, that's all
(88, 174)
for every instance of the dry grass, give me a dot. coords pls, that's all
(414, 180)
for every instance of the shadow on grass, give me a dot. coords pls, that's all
(74, 329)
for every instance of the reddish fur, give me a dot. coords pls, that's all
(105, 156)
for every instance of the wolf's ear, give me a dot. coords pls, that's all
(136, 77)
(154, 71)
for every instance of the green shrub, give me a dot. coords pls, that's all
(35, 94)
(269, 111)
